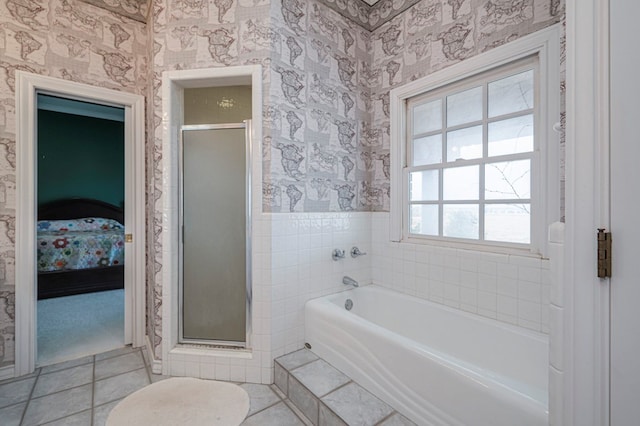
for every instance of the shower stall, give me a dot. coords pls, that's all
(215, 234)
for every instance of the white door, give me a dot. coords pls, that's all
(625, 212)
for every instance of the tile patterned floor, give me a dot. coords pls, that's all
(328, 397)
(82, 392)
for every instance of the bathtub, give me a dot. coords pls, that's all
(434, 364)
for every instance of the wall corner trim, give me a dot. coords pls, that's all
(156, 364)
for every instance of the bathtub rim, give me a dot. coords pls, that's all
(491, 379)
(536, 335)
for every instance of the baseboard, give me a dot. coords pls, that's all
(156, 364)
(7, 372)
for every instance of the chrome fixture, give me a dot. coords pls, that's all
(349, 281)
(348, 304)
(337, 254)
(355, 252)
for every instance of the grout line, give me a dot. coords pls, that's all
(61, 390)
(297, 366)
(335, 389)
(298, 413)
(120, 374)
(65, 371)
(13, 405)
(278, 391)
(20, 378)
(265, 408)
(65, 417)
(291, 376)
(66, 368)
(129, 346)
(384, 419)
(66, 389)
(35, 382)
(316, 397)
(127, 371)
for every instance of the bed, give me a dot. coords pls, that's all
(80, 245)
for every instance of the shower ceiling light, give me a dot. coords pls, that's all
(226, 103)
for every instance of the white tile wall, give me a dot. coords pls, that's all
(300, 247)
(509, 288)
(556, 324)
(292, 264)
(256, 366)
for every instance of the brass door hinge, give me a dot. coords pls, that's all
(128, 238)
(604, 253)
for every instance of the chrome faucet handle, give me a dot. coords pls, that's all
(337, 254)
(355, 252)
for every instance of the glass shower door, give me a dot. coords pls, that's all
(215, 230)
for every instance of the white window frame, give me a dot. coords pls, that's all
(441, 94)
(545, 185)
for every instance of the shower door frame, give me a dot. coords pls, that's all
(169, 356)
(246, 125)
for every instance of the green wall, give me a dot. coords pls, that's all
(80, 156)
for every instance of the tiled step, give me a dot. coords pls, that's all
(327, 397)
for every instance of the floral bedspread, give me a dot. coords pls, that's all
(79, 244)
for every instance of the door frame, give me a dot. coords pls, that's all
(173, 85)
(245, 125)
(27, 86)
(585, 321)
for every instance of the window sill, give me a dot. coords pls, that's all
(471, 246)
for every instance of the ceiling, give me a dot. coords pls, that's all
(370, 14)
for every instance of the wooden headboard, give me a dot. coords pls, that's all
(76, 208)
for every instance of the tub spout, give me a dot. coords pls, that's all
(349, 281)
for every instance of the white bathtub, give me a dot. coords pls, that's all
(434, 364)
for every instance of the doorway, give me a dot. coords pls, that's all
(28, 86)
(215, 243)
(80, 229)
(176, 102)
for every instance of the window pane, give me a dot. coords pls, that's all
(460, 221)
(511, 94)
(464, 107)
(424, 219)
(464, 144)
(427, 150)
(423, 186)
(427, 117)
(461, 183)
(507, 180)
(511, 136)
(507, 222)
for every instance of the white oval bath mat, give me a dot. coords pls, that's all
(182, 401)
